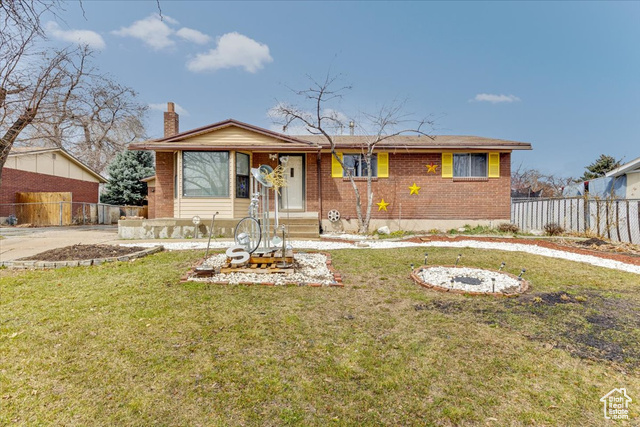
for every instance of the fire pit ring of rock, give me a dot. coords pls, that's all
(469, 280)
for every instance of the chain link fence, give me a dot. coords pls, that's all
(615, 219)
(66, 213)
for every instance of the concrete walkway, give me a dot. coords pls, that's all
(18, 242)
(22, 242)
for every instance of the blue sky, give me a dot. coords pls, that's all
(563, 76)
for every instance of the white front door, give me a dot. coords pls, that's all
(293, 193)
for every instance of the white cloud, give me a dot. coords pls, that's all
(153, 31)
(82, 37)
(163, 107)
(233, 50)
(495, 99)
(192, 35)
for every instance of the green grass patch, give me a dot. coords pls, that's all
(127, 344)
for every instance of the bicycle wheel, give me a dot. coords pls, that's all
(248, 234)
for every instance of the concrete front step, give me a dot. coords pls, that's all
(304, 236)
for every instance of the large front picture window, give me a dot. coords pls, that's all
(357, 164)
(205, 174)
(472, 165)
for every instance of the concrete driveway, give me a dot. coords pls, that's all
(22, 242)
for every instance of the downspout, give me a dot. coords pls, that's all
(319, 170)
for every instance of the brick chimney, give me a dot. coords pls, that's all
(171, 121)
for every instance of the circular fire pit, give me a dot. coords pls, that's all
(466, 280)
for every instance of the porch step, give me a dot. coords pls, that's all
(301, 228)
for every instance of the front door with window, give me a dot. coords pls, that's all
(293, 193)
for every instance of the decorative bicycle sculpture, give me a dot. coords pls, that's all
(254, 229)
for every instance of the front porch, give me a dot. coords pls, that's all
(300, 225)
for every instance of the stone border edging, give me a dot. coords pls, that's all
(337, 277)
(414, 276)
(40, 265)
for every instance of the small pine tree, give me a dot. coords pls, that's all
(125, 172)
(600, 167)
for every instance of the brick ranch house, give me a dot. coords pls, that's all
(426, 183)
(37, 170)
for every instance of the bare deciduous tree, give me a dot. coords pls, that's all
(527, 181)
(319, 119)
(66, 102)
(93, 117)
(27, 77)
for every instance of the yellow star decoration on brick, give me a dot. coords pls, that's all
(432, 168)
(414, 189)
(382, 206)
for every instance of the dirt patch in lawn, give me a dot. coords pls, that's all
(82, 252)
(590, 324)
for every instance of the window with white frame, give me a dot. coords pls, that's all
(205, 174)
(357, 164)
(470, 165)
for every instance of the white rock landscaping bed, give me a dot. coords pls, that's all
(309, 269)
(473, 280)
(377, 244)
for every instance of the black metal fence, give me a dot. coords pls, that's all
(615, 219)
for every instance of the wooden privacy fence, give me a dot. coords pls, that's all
(615, 219)
(43, 208)
(69, 213)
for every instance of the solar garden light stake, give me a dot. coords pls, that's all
(521, 273)
(493, 285)
(502, 266)
(426, 255)
(458, 259)
(411, 267)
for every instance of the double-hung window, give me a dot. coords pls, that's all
(470, 165)
(205, 174)
(357, 164)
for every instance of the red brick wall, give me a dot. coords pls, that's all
(163, 199)
(17, 181)
(151, 202)
(438, 198)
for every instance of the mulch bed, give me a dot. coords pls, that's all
(83, 252)
(623, 252)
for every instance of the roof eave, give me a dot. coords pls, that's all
(628, 167)
(198, 147)
(435, 147)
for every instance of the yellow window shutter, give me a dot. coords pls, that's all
(447, 165)
(494, 165)
(383, 165)
(336, 169)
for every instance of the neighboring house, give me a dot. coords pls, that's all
(630, 171)
(420, 183)
(34, 170)
(621, 183)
